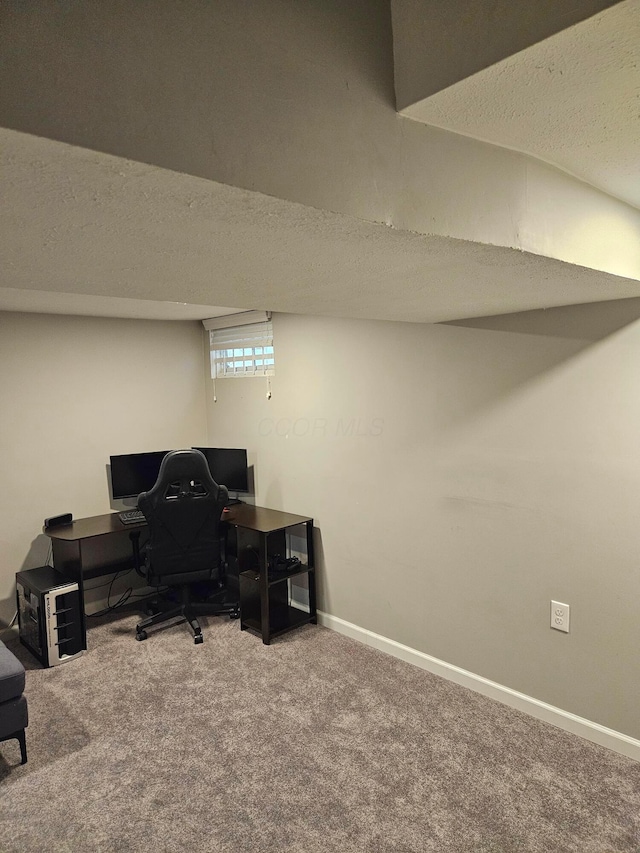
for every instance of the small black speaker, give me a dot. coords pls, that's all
(56, 520)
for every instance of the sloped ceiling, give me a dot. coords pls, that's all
(572, 100)
(135, 232)
(105, 234)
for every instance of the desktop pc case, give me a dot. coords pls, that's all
(49, 615)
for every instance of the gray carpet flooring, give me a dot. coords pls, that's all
(315, 743)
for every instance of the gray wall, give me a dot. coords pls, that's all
(459, 479)
(460, 476)
(75, 390)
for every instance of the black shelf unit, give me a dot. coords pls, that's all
(283, 616)
(263, 535)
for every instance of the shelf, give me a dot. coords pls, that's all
(293, 617)
(252, 575)
(265, 602)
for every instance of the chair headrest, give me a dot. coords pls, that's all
(183, 473)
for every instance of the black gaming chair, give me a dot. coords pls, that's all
(186, 542)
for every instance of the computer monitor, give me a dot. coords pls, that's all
(132, 473)
(228, 467)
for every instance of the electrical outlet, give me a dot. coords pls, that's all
(560, 616)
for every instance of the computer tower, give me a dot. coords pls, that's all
(49, 615)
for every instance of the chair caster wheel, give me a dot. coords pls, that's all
(235, 614)
(198, 639)
(141, 635)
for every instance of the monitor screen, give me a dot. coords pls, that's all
(133, 473)
(228, 467)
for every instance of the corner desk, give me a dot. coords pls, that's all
(100, 545)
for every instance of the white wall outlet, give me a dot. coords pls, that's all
(560, 616)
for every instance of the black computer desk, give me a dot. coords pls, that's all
(101, 545)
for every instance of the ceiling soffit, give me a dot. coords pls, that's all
(570, 100)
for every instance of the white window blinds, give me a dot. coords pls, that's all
(242, 350)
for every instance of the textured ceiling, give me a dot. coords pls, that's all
(84, 232)
(572, 100)
(80, 222)
(48, 302)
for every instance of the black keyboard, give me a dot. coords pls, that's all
(131, 516)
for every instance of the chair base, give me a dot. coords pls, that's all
(21, 737)
(188, 611)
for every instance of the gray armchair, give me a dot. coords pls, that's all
(13, 704)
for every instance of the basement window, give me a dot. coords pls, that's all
(240, 351)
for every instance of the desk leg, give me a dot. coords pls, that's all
(264, 590)
(312, 575)
(67, 559)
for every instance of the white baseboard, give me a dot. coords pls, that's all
(616, 741)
